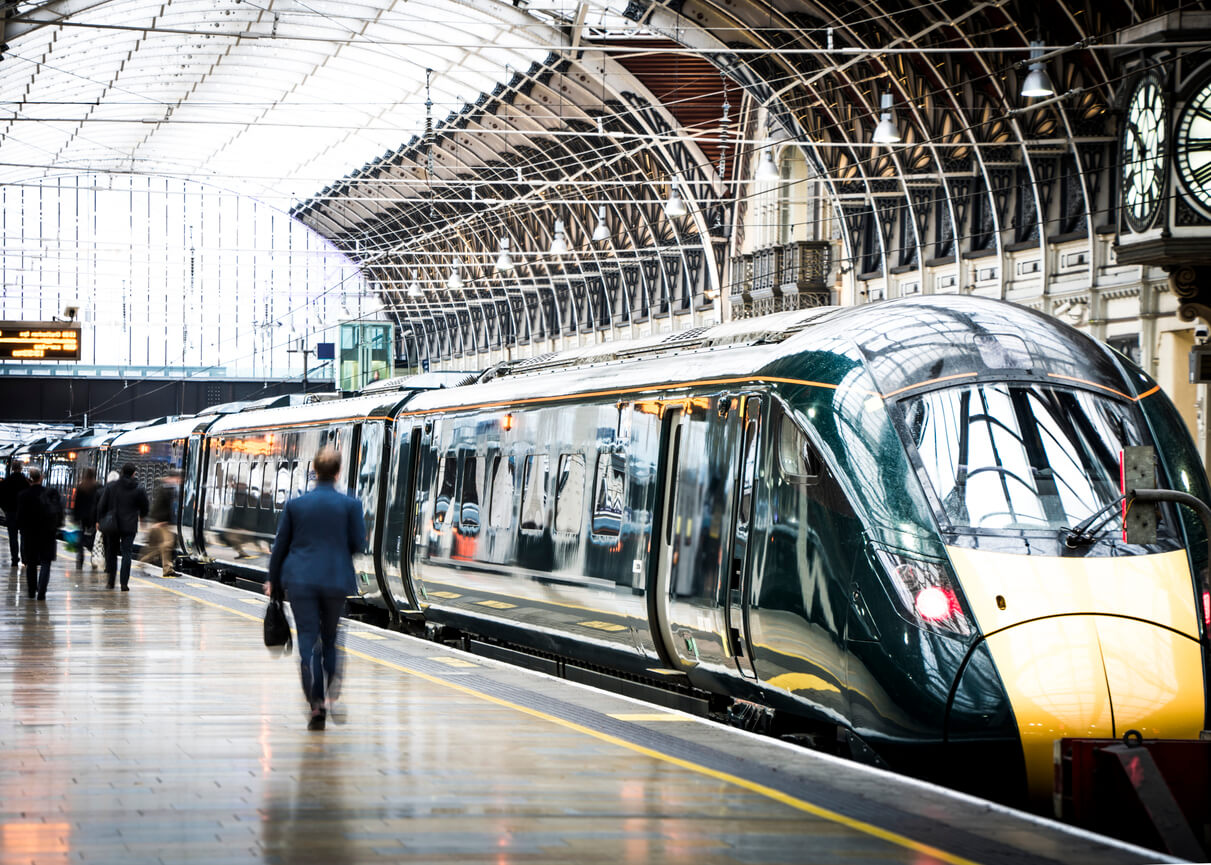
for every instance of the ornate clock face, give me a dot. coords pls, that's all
(1144, 153)
(1192, 147)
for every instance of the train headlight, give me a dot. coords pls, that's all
(925, 593)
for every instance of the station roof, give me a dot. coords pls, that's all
(275, 99)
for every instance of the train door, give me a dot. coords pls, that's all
(366, 460)
(396, 541)
(190, 502)
(697, 550)
(736, 601)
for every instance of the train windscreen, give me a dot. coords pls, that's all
(1019, 456)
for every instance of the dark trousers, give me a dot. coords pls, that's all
(317, 615)
(87, 538)
(14, 539)
(115, 544)
(37, 576)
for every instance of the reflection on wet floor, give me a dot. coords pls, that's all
(154, 727)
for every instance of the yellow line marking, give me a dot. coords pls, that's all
(603, 626)
(445, 594)
(752, 786)
(496, 605)
(657, 716)
(252, 601)
(664, 671)
(453, 662)
(366, 635)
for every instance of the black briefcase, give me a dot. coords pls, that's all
(277, 628)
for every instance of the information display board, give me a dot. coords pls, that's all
(39, 340)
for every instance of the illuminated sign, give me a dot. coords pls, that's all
(39, 340)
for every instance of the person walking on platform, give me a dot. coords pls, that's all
(39, 516)
(11, 487)
(161, 539)
(84, 512)
(123, 502)
(318, 535)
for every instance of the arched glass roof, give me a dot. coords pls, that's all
(271, 98)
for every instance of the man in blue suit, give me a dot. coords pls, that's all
(318, 535)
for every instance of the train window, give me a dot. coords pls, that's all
(447, 470)
(750, 465)
(534, 493)
(798, 458)
(282, 491)
(1013, 456)
(569, 494)
(254, 483)
(608, 496)
(500, 505)
(468, 510)
(268, 476)
(297, 479)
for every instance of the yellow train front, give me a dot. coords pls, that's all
(1029, 615)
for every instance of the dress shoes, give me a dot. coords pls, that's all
(316, 722)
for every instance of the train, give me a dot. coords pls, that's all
(870, 529)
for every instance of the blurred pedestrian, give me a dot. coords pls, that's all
(123, 502)
(161, 537)
(39, 515)
(12, 485)
(318, 535)
(84, 512)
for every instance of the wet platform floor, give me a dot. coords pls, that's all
(153, 726)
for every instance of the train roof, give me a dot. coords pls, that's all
(164, 430)
(84, 438)
(379, 405)
(731, 352)
(936, 340)
(903, 344)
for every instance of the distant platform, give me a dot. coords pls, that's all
(152, 726)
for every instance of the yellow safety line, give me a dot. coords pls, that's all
(752, 786)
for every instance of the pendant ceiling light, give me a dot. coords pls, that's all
(504, 262)
(455, 282)
(602, 231)
(559, 243)
(674, 206)
(886, 132)
(414, 289)
(766, 170)
(1038, 82)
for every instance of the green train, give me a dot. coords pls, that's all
(869, 527)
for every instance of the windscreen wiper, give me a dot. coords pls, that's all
(1085, 532)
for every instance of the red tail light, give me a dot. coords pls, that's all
(926, 594)
(1207, 609)
(935, 604)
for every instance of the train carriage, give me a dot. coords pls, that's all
(255, 461)
(66, 459)
(896, 527)
(158, 448)
(860, 519)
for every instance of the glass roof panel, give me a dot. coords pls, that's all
(275, 100)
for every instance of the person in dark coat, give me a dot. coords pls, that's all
(39, 515)
(318, 535)
(161, 537)
(84, 512)
(124, 502)
(12, 485)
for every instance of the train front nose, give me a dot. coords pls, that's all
(1096, 677)
(1089, 648)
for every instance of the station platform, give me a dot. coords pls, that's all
(152, 726)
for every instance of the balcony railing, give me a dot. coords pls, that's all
(780, 278)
